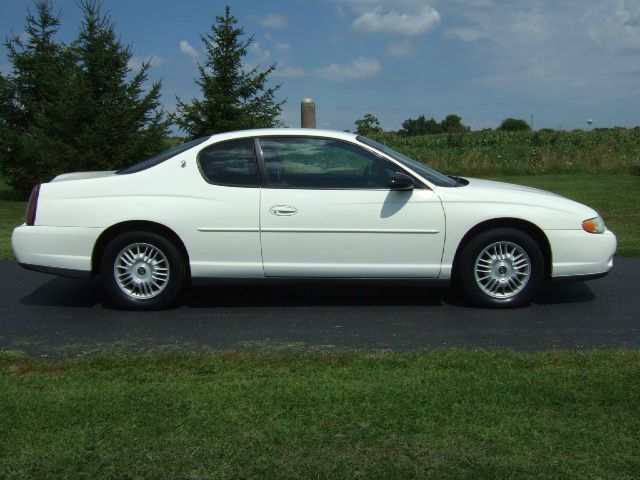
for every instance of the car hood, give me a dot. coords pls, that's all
(480, 184)
(489, 191)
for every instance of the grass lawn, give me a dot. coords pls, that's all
(454, 414)
(615, 197)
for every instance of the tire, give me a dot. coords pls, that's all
(142, 271)
(501, 268)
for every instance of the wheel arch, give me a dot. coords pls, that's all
(507, 222)
(132, 225)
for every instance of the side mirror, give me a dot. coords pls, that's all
(401, 181)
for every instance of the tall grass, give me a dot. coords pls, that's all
(524, 153)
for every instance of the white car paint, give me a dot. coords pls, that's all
(233, 231)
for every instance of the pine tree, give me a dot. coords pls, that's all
(66, 108)
(120, 123)
(233, 98)
(30, 93)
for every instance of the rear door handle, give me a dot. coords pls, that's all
(283, 210)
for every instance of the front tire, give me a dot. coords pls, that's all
(142, 271)
(501, 268)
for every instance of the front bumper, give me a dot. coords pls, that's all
(576, 253)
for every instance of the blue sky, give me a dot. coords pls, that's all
(562, 61)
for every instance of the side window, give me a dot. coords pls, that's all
(231, 163)
(307, 162)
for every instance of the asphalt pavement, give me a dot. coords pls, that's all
(48, 316)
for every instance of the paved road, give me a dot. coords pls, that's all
(44, 315)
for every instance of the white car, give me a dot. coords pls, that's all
(304, 203)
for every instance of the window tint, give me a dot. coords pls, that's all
(304, 162)
(230, 163)
(429, 173)
(161, 157)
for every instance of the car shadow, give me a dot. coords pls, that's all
(65, 292)
(559, 294)
(298, 294)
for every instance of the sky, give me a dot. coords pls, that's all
(558, 62)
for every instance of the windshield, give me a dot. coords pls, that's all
(434, 176)
(161, 157)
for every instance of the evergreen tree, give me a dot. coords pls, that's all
(233, 98)
(38, 79)
(120, 123)
(66, 108)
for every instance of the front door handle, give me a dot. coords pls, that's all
(283, 210)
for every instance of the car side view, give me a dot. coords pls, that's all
(304, 203)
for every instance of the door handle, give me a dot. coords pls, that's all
(283, 210)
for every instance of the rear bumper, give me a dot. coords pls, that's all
(55, 249)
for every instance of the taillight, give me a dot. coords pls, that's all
(33, 205)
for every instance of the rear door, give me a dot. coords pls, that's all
(326, 210)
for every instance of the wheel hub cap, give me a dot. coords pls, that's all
(502, 269)
(141, 270)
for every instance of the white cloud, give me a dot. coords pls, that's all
(397, 23)
(288, 71)
(358, 69)
(588, 47)
(135, 63)
(257, 57)
(188, 50)
(615, 26)
(273, 20)
(284, 47)
(401, 50)
(466, 34)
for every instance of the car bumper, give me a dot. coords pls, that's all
(577, 253)
(55, 249)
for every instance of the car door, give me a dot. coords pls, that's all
(326, 210)
(223, 234)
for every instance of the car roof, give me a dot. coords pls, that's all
(289, 132)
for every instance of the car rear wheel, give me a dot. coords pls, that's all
(501, 268)
(142, 271)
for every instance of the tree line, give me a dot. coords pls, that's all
(369, 125)
(80, 106)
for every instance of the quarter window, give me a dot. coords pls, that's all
(306, 162)
(231, 163)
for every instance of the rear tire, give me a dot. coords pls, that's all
(501, 268)
(142, 271)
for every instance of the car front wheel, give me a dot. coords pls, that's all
(501, 268)
(142, 271)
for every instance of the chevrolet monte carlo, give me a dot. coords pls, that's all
(303, 203)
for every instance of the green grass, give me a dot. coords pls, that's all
(455, 414)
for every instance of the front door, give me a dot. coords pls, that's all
(327, 211)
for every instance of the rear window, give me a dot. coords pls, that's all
(161, 157)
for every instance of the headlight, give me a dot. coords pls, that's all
(594, 225)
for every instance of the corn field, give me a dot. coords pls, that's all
(612, 151)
